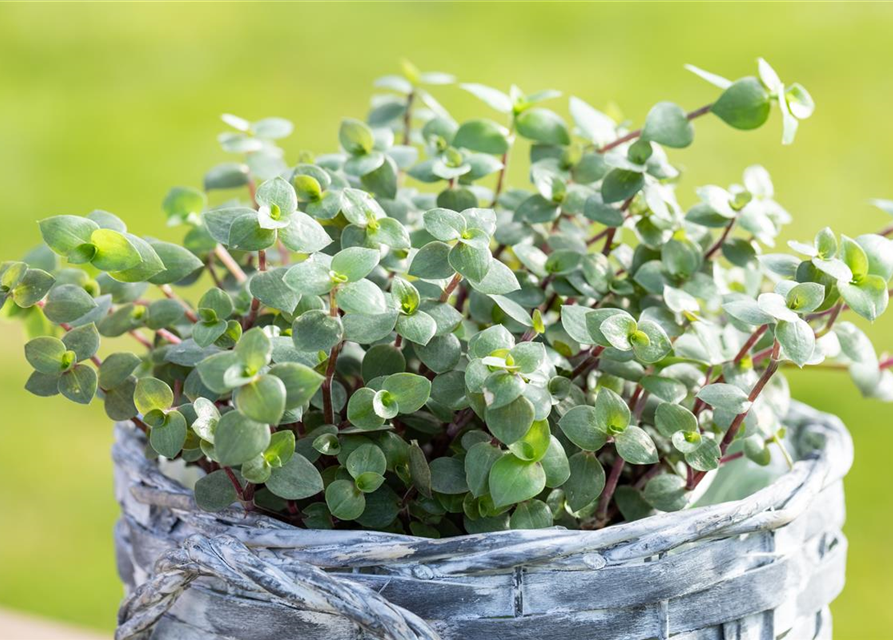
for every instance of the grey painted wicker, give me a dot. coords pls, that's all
(759, 568)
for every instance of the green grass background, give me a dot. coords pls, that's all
(108, 105)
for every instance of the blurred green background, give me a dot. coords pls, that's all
(108, 105)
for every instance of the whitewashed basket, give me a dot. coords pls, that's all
(763, 567)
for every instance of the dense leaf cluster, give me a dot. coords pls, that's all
(391, 337)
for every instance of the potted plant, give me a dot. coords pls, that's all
(406, 400)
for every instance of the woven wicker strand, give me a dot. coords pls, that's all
(751, 569)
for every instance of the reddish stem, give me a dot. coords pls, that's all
(457, 278)
(170, 295)
(608, 492)
(588, 363)
(718, 244)
(691, 115)
(328, 409)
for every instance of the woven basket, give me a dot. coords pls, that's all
(760, 568)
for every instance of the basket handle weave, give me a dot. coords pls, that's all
(306, 588)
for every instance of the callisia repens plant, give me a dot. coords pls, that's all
(392, 337)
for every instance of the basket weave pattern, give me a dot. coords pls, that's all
(759, 568)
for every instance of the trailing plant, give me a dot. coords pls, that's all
(392, 337)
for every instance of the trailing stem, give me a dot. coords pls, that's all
(169, 294)
(718, 244)
(739, 419)
(407, 118)
(328, 409)
(588, 363)
(255, 303)
(227, 260)
(601, 512)
(632, 135)
(457, 278)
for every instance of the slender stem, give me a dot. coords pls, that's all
(169, 294)
(457, 278)
(500, 180)
(142, 340)
(588, 363)
(230, 263)
(210, 266)
(731, 456)
(608, 492)
(886, 364)
(751, 341)
(235, 481)
(718, 244)
(328, 409)
(167, 335)
(739, 419)
(609, 240)
(632, 135)
(407, 118)
(255, 303)
(832, 318)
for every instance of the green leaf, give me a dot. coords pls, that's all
(724, 396)
(670, 418)
(168, 438)
(484, 136)
(611, 413)
(304, 234)
(183, 204)
(513, 310)
(355, 263)
(478, 461)
(664, 388)
(419, 470)
(310, 277)
(149, 264)
(509, 423)
(443, 224)
(448, 476)
(116, 369)
(316, 330)
(411, 391)
(650, 343)
(215, 491)
(555, 464)
(432, 262)
(473, 262)
(151, 394)
(67, 303)
(301, 382)
(361, 410)
(635, 446)
(32, 288)
(47, 355)
(621, 184)
(617, 330)
(744, 105)
(534, 514)
(179, 263)
(869, 297)
(254, 350)
(281, 449)
(297, 479)
(345, 500)
(586, 481)
(581, 427)
(666, 492)
(64, 234)
(364, 459)
(228, 175)
(262, 399)
(113, 251)
(668, 125)
(705, 457)
(797, 339)
(418, 328)
(356, 137)
(535, 443)
(237, 439)
(502, 388)
(83, 341)
(269, 287)
(78, 384)
(542, 126)
(513, 480)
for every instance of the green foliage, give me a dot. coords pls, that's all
(395, 339)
